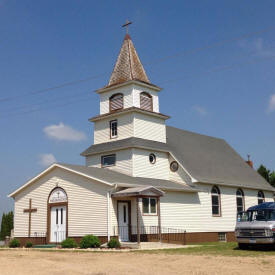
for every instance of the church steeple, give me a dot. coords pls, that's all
(128, 66)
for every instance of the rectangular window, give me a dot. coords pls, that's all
(222, 237)
(239, 204)
(61, 215)
(149, 205)
(145, 205)
(215, 205)
(113, 129)
(109, 160)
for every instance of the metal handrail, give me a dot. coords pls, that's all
(151, 233)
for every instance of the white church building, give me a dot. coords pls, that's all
(143, 180)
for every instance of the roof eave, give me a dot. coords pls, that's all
(222, 183)
(126, 83)
(122, 148)
(168, 188)
(128, 110)
(14, 193)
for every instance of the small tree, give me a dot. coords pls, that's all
(272, 178)
(6, 225)
(3, 227)
(265, 173)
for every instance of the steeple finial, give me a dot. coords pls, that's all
(127, 25)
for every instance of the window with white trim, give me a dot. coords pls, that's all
(108, 160)
(240, 200)
(149, 205)
(216, 201)
(113, 128)
(222, 236)
(260, 197)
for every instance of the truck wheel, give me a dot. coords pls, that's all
(242, 245)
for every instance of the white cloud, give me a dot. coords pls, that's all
(64, 132)
(271, 104)
(258, 46)
(46, 159)
(200, 110)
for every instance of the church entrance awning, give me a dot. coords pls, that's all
(139, 192)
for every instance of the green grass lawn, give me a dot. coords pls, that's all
(209, 249)
(220, 248)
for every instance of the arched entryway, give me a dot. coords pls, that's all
(57, 216)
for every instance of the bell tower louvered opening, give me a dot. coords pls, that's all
(146, 102)
(116, 102)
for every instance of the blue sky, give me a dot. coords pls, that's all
(214, 59)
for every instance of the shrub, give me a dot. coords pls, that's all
(14, 243)
(89, 241)
(114, 243)
(69, 243)
(28, 244)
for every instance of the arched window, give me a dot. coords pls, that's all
(260, 197)
(146, 101)
(216, 201)
(116, 102)
(240, 200)
(58, 195)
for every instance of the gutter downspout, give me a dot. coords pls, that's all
(108, 216)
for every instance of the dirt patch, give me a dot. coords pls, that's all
(22, 262)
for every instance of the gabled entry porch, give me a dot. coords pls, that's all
(145, 201)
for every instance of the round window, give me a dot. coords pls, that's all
(174, 166)
(152, 158)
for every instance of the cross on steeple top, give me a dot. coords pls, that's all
(127, 25)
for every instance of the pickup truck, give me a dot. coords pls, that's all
(256, 225)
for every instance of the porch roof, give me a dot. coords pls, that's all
(139, 191)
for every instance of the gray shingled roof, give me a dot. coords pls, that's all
(132, 142)
(122, 180)
(137, 191)
(207, 159)
(212, 160)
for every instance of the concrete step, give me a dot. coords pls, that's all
(44, 246)
(150, 245)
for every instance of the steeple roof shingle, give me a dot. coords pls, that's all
(128, 66)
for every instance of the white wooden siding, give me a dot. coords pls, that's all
(127, 100)
(124, 163)
(131, 97)
(131, 125)
(193, 211)
(136, 97)
(125, 128)
(143, 168)
(87, 204)
(149, 127)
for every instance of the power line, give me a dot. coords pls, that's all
(47, 101)
(41, 109)
(226, 67)
(197, 49)
(217, 69)
(80, 93)
(212, 45)
(52, 88)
